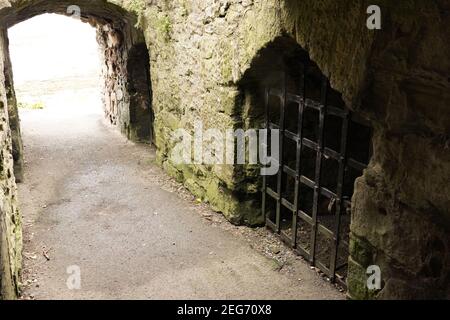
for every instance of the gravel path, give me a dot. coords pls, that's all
(96, 203)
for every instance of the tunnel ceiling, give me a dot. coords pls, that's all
(13, 12)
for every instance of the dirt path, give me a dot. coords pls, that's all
(93, 200)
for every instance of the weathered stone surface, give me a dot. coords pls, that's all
(14, 121)
(202, 50)
(402, 204)
(10, 221)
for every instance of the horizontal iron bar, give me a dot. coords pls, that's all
(333, 154)
(332, 110)
(341, 282)
(302, 215)
(303, 252)
(328, 193)
(324, 269)
(293, 136)
(308, 182)
(310, 144)
(290, 172)
(273, 126)
(287, 204)
(313, 104)
(291, 97)
(286, 238)
(272, 193)
(276, 92)
(271, 225)
(341, 113)
(356, 164)
(325, 231)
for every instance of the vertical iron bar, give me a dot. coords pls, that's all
(339, 193)
(264, 190)
(301, 109)
(281, 142)
(319, 156)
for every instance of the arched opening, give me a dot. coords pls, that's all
(324, 147)
(125, 66)
(138, 77)
(116, 34)
(57, 75)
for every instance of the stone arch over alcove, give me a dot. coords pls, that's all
(324, 148)
(400, 84)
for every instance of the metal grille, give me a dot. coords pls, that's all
(320, 236)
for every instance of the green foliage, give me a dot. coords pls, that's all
(165, 27)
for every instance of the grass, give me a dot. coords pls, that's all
(31, 106)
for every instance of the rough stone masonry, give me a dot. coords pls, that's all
(201, 53)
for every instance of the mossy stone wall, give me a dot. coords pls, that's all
(10, 221)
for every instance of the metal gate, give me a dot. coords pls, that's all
(308, 205)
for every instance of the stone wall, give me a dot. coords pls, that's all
(202, 52)
(397, 78)
(14, 121)
(401, 214)
(126, 78)
(10, 222)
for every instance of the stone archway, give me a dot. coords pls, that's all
(127, 103)
(324, 147)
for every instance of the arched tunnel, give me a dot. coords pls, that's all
(127, 96)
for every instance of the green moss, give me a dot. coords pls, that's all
(210, 189)
(224, 54)
(226, 69)
(357, 282)
(164, 26)
(361, 251)
(173, 171)
(138, 8)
